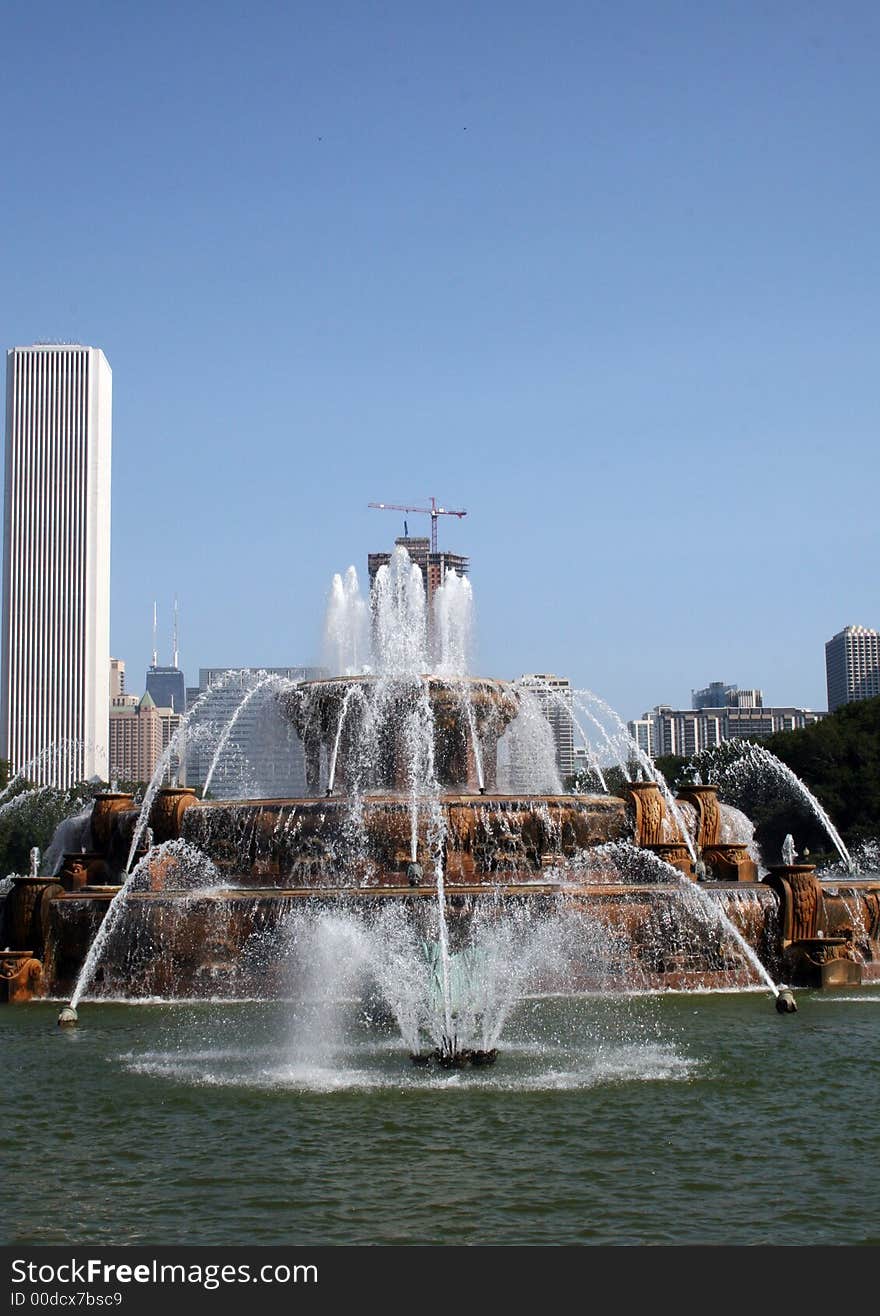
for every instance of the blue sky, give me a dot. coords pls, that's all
(604, 275)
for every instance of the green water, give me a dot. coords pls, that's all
(674, 1119)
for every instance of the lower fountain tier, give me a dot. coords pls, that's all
(246, 943)
(337, 842)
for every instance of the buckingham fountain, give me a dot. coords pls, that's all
(433, 863)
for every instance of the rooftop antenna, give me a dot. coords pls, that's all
(155, 662)
(174, 647)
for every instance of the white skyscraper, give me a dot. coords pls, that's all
(852, 666)
(554, 695)
(56, 563)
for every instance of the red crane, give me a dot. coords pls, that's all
(433, 512)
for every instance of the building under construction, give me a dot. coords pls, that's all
(433, 565)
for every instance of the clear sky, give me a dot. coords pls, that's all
(605, 275)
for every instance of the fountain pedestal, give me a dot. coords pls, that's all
(730, 863)
(704, 800)
(338, 718)
(810, 958)
(649, 813)
(27, 912)
(105, 806)
(675, 853)
(83, 868)
(823, 962)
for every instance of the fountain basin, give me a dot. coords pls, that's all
(312, 842)
(345, 718)
(230, 942)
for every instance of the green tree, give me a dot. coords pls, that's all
(30, 816)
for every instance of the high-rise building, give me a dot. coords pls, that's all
(852, 666)
(117, 678)
(720, 695)
(688, 731)
(56, 563)
(139, 733)
(554, 694)
(167, 685)
(433, 566)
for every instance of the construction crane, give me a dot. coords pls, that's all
(433, 512)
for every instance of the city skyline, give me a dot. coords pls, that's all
(603, 292)
(195, 663)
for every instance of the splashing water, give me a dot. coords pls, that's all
(400, 637)
(271, 683)
(738, 762)
(346, 626)
(192, 870)
(453, 625)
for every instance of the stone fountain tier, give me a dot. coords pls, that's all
(233, 940)
(364, 726)
(238, 943)
(311, 842)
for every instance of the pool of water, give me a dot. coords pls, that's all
(661, 1119)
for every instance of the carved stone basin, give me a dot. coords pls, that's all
(369, 729)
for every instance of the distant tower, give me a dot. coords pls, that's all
(167, 685)
(852, 666)
(56, 563)
(117, 678)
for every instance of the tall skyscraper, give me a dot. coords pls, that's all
(852, 666)
(56, 563)
(167, 685)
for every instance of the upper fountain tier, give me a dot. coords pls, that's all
(377, 733)
(402, 714)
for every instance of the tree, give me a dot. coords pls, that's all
(30, 816)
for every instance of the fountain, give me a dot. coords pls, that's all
(434, 861)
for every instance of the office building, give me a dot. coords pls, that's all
(554, 695)
(117, 678)
(167, 685)
(852, 666)
(56, 563)
(688, 731)
(719, 695)
(262, 756)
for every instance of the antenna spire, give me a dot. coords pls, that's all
(155, 662)
(174, 645)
